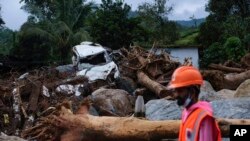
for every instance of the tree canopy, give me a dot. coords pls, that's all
(111, 25)
(1, 20)
(154, 19)
(54, 26)
(228, 24)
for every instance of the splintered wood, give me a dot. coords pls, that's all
(65, 125)
(229, 75)
(151, 70)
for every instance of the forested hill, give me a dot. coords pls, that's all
(185, 23)
(190, 23)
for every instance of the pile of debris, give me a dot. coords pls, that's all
(229, 75)
(48, 104)
(33, 95)
(149, 69)
(27, 99)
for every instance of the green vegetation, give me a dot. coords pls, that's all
(234, 49)
(114, 30)
(51, 30)
(54, 27)
(227, 24)
(6, 40)
(1, 20)
(188, 38)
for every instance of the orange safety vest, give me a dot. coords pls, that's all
(189, 130)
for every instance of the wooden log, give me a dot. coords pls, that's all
(118, 128)
(129, 128)
(224, 124)
(225, 68)
(231, 63)
(155, 87)
(4, 88)
(154, 70)
(246, 60)
(82, 126)
(33, 100)
(142, 61)
(229, 81)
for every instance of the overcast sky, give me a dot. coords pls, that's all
(14, 17)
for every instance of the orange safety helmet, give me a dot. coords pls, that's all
(185, 76)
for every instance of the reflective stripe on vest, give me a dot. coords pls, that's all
(189, 130)
(196, 125)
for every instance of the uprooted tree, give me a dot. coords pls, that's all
(65, 125)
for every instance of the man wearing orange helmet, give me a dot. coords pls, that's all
(198, 123)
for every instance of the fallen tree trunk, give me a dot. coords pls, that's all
(155, 87)
(229, 81)
(133, 129)
(82, 126)
(225, 68)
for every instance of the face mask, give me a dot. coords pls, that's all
(180, 101)
(184, 101)
(188, 101)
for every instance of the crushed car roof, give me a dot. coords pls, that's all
(88, 48)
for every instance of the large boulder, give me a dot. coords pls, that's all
(232, 108)
(207, 93)
(226, 93)
(246, 60)
(162, 109)
(243, 90)
(112, 101)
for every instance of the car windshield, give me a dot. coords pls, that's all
(94, 59)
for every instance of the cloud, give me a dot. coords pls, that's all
(182, 10)
(12, 15)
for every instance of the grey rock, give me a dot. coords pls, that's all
(4, 137)
(232, 108)
(162, 109)
(66, 68)
(92, 111)
(237, 108)
(207, 93)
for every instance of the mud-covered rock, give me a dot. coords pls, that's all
(112, 101)
(243, 90)
(226, 93)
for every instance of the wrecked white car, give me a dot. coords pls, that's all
(93, 61)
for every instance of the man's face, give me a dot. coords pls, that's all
(181, 95)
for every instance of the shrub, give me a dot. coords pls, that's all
(213, 54)
(234, 49)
